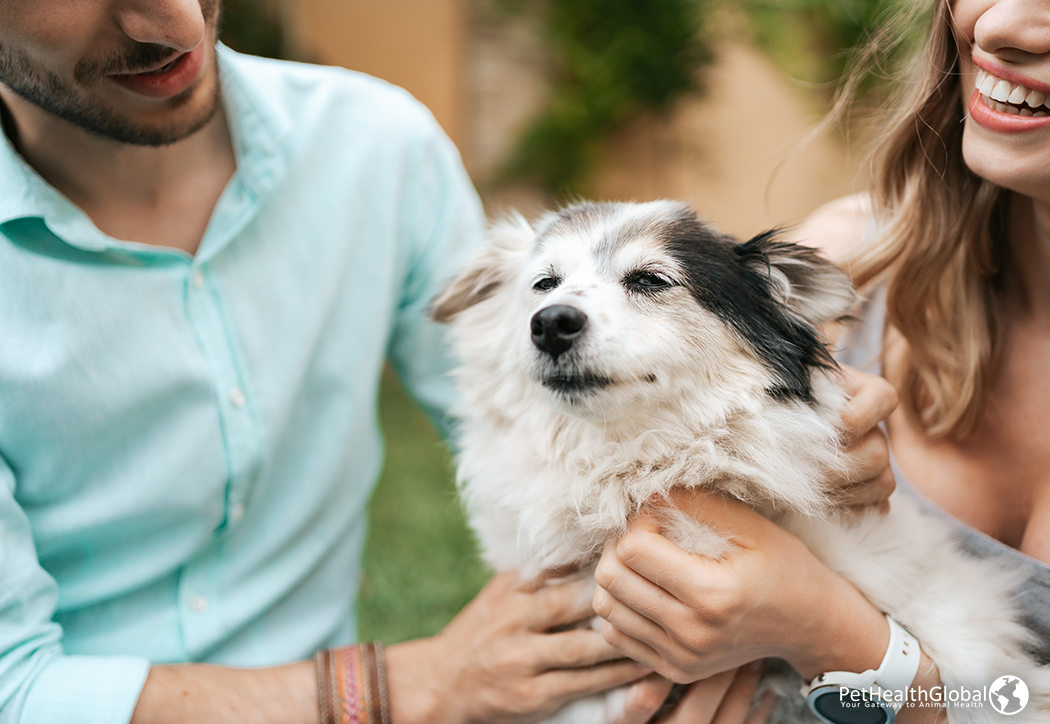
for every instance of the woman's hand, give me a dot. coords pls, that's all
(720, 699)
(869, 481)
(505, 659)
(689, 617)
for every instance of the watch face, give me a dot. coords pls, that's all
(829, 704)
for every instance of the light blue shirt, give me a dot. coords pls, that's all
(187, 444)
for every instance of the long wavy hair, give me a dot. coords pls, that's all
(938, 244)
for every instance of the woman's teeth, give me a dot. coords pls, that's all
(1006, 97)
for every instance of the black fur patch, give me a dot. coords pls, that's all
(721, 275)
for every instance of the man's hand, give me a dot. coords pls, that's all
(507, 658)
(869, 479)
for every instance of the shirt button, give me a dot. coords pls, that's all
(198, 279)
(237, 512)
(199, 603)
(237, 398)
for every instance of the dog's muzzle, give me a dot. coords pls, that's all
(555, 329)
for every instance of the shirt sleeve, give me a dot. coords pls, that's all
(444, 223)
(38, 682)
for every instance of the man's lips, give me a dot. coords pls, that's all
(168, 79)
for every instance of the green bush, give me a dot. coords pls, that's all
(613, 59)
(815, 40)
(253, 27)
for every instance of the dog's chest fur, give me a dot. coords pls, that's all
(546, 491)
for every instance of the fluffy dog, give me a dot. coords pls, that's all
(616, 351)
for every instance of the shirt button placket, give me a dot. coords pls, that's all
(202, 577)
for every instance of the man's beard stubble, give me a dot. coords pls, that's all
(63, 99)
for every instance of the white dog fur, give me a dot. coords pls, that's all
(678, 378)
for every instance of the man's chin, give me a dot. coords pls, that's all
(168, 122)
(170, 127)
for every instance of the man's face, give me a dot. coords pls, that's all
(135, 71)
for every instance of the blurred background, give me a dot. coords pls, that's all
(710, 101)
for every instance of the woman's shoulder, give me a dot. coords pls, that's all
(838, 227)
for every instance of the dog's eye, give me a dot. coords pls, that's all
(643, 281)
(546, 284)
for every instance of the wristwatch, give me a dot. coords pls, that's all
(874, 696)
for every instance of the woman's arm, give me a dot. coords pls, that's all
(689, 617)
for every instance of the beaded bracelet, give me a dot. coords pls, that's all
(351, 685)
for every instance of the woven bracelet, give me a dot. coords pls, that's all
(351, 685)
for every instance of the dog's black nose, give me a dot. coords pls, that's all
(555, 329)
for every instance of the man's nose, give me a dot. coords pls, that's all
(177, 24)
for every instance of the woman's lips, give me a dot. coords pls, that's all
(995, 120)
(173, 79)
(1002, 72)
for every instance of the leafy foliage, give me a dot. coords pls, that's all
(814, 40)
(613, 58)
(253, 27)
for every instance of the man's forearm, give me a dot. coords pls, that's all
(504, 657)
(217, 694)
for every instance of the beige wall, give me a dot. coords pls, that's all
(742, 163)
(483, 73)
(416, 44)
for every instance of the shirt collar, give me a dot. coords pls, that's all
(20, 185)
(257, 131)
(257, 137)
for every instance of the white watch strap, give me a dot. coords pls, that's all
(891, 680)
(900, 664)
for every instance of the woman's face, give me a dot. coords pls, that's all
(1004, 49)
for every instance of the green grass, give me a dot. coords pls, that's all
(421, 565)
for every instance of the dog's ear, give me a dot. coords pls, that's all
(489, 268)
(800, 278)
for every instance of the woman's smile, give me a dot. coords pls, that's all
(1003, 96)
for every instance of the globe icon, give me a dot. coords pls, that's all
(1008, 695)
